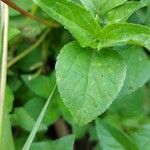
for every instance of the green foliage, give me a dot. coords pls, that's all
(82, 25)
(141, 137)
(138, 66)
(113, 138)
(82, 60)
(124, 33)
(40, 85)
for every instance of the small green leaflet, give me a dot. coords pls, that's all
(88, 81)
(138, 68)
(123, 33)
(123, 12)
(113, 139)
(75, 18)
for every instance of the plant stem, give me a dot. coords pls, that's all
(25, 13)
(38, 122)
(3, 63)
(28, 50)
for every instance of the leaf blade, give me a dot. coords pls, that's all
(82, 25)
(124, 33)
(65, 143)
(37, 123)
(83, 76)
(123, 12)
(120, 140)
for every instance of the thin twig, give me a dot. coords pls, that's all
(27, 14)
(28, 50)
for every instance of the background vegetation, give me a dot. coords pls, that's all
(33, 50)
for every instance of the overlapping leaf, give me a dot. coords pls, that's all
(138, 68)
(123, 12)
(112, 138)
(124, 33)
(65, 143)
(75, 18)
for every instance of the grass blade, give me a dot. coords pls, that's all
(3, 61)
(37, 123)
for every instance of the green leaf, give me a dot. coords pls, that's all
(35, 105)
(106, 5)
(13, 32)
(78, 131)
(113, 139)
(23, 119)
(89, 5)
(123, 33)
(19, 140)
(81, 25)
(65, 143)
(142, 137)
(88, 81)
(40, 85)
(130, 105)
(147, 2)
(123, 12)
(138, 68)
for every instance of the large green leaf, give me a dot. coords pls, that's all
(65, 143)
(123, 12)
(112, 138)
(75, 18)
(123, 33)
(88, 81)
(138, 68)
